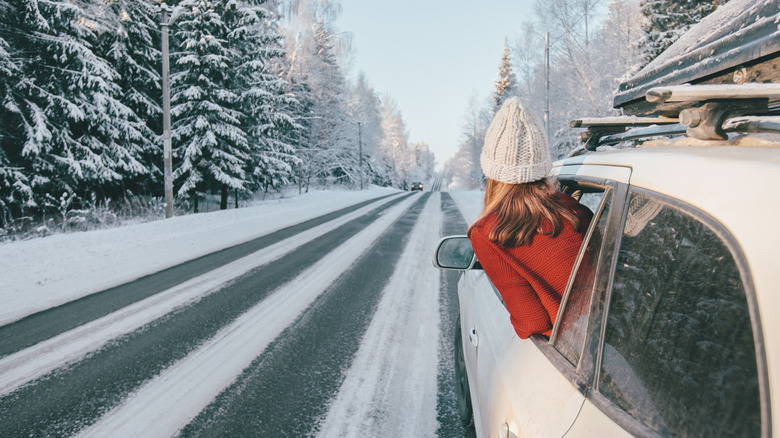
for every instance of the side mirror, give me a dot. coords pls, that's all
(455, 252)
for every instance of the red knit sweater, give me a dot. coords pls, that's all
(532, 278)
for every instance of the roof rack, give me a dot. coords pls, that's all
(707, 112)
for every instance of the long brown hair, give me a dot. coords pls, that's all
(522, 210)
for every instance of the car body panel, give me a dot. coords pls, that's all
(613, 172)
(593, 422)
(556, 401)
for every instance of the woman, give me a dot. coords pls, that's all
(528, 235)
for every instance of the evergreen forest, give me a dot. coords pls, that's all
(260, 100)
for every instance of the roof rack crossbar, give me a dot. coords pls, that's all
(753, 124)
(588, 122)
(698, 93)
(637, 133)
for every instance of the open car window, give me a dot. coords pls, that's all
(570, 332)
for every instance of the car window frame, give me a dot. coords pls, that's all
(582, 375)
(611, 409)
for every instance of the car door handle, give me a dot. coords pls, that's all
(473, 338)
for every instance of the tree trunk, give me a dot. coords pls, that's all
(223, 198)
(236, 197)
(195, 201)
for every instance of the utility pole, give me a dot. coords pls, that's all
(547, 85)
(300, 166)
(360, 149)
(167, 160)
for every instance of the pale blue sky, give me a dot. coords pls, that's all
(431, 57)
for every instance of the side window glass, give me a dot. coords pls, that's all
(679, 354)
(592, 200)
(573, 322)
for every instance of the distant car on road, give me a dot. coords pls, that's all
(667, 326)
(417, 186)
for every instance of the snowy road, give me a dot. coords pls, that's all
(333, 326)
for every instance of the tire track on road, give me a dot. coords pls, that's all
(286, 390)
(46, 324)
(37, 360)
(63, 402)
(391, 388)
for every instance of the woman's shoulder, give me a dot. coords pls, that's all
(566, 199)
(484, 223)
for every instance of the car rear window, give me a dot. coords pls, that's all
(679, 353)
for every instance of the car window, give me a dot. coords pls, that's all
(679, 354)
(576, 306)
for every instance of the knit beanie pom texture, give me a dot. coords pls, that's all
(515, 149)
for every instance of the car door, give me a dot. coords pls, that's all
(528, 387)
(474, 308)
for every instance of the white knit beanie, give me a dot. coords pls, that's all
(515, 149)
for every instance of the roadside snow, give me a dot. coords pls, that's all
(42, 273)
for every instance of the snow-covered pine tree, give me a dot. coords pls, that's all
(210, 143)
(463, 168)
(617, 54)
(506, 84)
(268, 109)
(73, 132)
(666, 20)
(131, 43)
(9, 71)
(423, 162)
(15, 190)
(337, 157)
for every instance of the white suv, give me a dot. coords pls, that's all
(667, 325)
